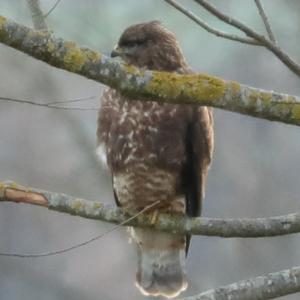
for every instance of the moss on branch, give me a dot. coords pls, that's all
(201, 89)
(260, 227)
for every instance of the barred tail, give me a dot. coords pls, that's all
(161, 263)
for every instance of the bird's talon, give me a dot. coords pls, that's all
(153, 217)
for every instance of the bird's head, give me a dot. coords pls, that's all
(150, 45)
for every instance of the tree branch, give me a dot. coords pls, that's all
(37, 15)
(46, 15)
(283, 56)
(204, 25)
(259, 227)
(266, 21)
(265, 287)
(75, 246)
(201, 89)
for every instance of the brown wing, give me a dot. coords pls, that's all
(199, 148)
(107, 116)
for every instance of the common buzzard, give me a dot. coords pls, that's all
(156, 152)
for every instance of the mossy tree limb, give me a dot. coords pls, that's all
(259, 227)
(270, 286)
(197, 88)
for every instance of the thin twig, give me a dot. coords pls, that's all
(72, 100)
(54, 105)
(266, 21)
(210, 29)
(229, 20)
(78, 245)
(73, 124)
(51, 9)
(277, 51)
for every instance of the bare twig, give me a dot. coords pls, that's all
(54, 105)
(37, 15)
(72, 100)
(39, 23)
(75, 128)
(259, 227)
(266, 21)
(78, 245)
(270, 286)
(52, 9)
(231, 21)
(210, 29)
(277, 51)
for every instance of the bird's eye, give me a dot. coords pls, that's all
(131, 44)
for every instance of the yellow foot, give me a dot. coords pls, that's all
(153, 216)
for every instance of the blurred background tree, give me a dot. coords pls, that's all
(254, 173)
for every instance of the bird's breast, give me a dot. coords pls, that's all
(142, 185)
(147, 133)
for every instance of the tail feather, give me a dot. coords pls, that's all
(161, 263)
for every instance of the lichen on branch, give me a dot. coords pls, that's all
(259, 227)
(265, 287)
(201, 89)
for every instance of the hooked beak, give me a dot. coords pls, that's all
(117, 51)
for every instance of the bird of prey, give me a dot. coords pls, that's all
(155, 152)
